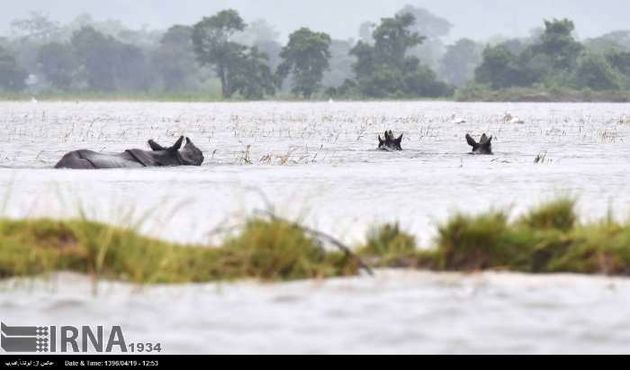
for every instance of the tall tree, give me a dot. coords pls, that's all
(594, 72)
(306, 56)
(383, 67)
(501, 69)
(558, 44)
(12, 76)
(213, 45)
(97, 54)
(252, 76)
(57, 62)
(620, 60)
(394, 37)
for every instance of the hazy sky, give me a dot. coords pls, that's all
(477, 19)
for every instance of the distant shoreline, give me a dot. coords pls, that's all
(515, 95)
(532, 95)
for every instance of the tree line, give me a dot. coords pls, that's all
(402, 56)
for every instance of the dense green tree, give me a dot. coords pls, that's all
(383, 67)
(306, 57)
(551, 59)
(618, 40)
(252, 76)
(501, 69)
(558, 44)
(58, 63)
(460, 61)
(213, 45)
(620, 61)
(380, 64)
(97, 55)
(12, 76)
(393, 38)
(594, 72)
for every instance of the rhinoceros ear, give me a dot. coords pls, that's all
(471, 141)
(177, 145)
(399, 140)
(155, 146)
(380, 141)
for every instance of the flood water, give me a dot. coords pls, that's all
(394, 312)
(317, 162)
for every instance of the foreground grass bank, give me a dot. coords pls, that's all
(266, 250)
(548, 239)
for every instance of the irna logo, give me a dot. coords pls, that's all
(51, 339)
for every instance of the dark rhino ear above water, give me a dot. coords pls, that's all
(155, 146)
(177, 145)
(471, 141)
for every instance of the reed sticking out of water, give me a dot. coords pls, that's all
(547, 239)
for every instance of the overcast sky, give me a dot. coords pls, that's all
(478, 19)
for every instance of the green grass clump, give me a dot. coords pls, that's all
(389, 246)
(602, 248)
(545, 240)
(388, 239)
(269, 250)
(558, 214)
(481, 242)
(275, 250)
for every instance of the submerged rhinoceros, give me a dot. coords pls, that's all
(390, 143)
(159, 156)
(484, 146)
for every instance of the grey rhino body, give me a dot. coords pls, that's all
(159, 156)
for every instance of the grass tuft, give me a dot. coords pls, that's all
(558, 214)
(278, 250)
(476, 242)
(388, 239)
(389, 246)
(268, 250)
